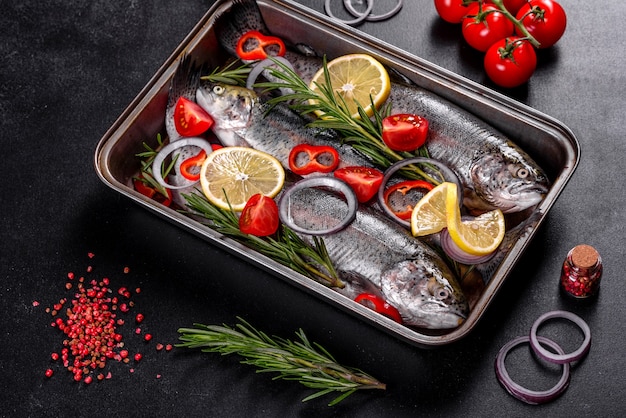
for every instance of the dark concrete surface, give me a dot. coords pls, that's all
(69, 68)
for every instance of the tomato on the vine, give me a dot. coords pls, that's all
(513, 5)
(404, 131)
(510, 62)
(452, 11)
(190, 119)
(545, 20)
(365, 181)
(485, 25)
(260, 216)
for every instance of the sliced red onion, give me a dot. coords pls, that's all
(333, 183)
(560, 358)
(457, 254)
(371, 17)
(447, 173)
(260, 66)
(167, 150)
(523, 394)
(360, 17)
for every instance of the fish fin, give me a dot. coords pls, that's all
(355, 284)
(242, 17)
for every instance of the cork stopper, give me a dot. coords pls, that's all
(584, 256)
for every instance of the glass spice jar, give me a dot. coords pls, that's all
(582, 271)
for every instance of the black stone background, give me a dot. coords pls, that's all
(69, 68)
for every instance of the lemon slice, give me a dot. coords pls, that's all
(237, 173)
(354, 78)
(478, 236)
(429, 215)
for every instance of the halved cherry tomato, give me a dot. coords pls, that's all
(317, 159)
(145, 189)
(190, 167)
(365, 181)
(452, 11)
(485, 25)
(190, 119)
(545, 20)
(404, 131)
(379, 305)
(403, 188)
(260, 216)
(510, 62)
(253, 45)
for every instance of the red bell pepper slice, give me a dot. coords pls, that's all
(379, 305)
(252, 46)
(191, 163)
(404, 187)
(314, 162)
(150, 192)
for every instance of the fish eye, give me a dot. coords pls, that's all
(218, 90)
(442, 294)
(522, 173)
(437, 290)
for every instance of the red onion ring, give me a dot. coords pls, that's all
(284, 206)
(171, 147)
(560, 358)
(360, 16)
(523, 394)
(262, 65)
(457, 254)
(371, 17)
(447, 173)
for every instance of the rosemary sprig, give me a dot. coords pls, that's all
(229, 74)
(310, 364)
(287, 248)
(147, 158)
(363, 133)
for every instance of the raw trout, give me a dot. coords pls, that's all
(494, 172)
(374, 254)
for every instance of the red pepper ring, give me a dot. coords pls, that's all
(403, 188)
(313, 164)
(379, 305)
(252, 45)
(192, 162)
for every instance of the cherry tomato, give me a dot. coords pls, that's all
(485, 26)
(514, 5)
(452, 11)
(510, 62)
(190, 119)
(365, 181)
(404, 131)
(379, 305)
(260, 216)
(546, 22)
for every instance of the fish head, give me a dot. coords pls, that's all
(426, 294)
(507, 182)
(231, 107)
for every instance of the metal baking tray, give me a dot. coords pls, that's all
(547, 140)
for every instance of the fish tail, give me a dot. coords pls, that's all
(242, 17)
